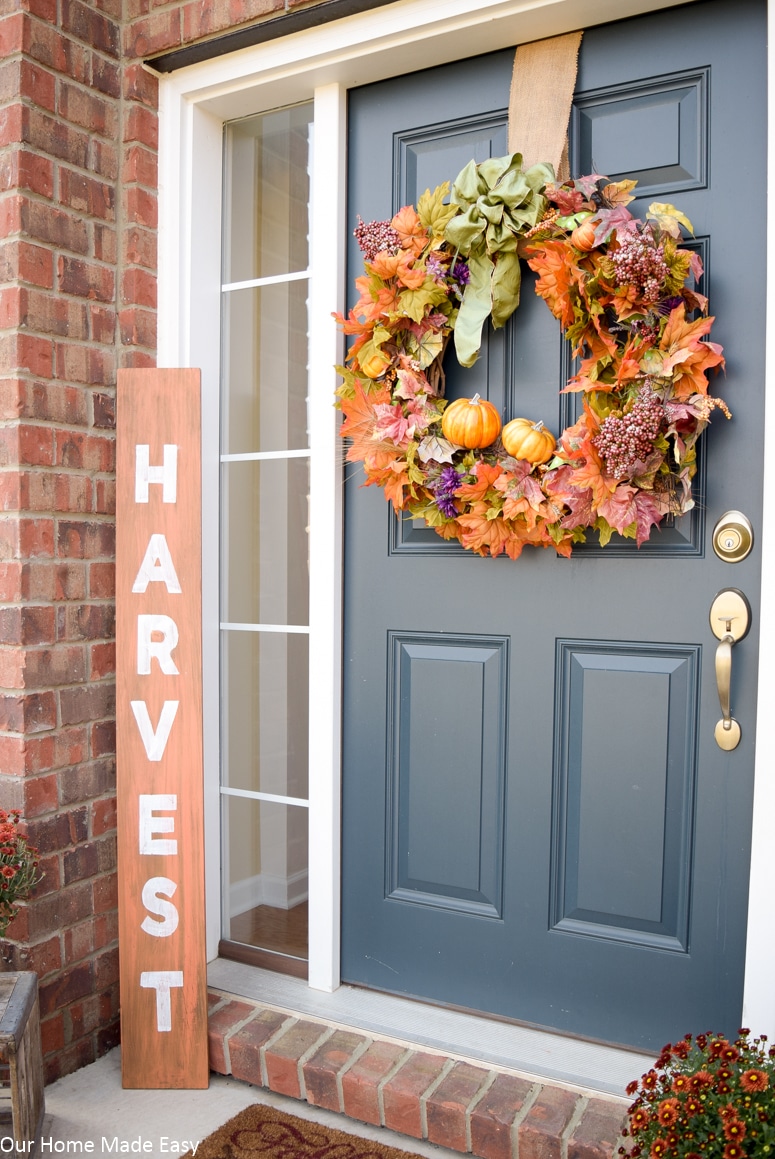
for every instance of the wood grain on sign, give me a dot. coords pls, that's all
(159, 731)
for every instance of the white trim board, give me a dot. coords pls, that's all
(321, 64)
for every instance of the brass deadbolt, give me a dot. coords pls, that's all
(733, 537)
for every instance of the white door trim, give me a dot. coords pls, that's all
(320, 64)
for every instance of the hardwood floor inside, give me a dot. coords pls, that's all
(279, 930)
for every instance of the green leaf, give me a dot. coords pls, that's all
(432, 211)
(505, 288)
(474, 310)
(414, 302)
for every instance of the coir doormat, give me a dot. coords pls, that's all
(261, 1132)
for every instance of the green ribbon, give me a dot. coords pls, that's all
(498, 202)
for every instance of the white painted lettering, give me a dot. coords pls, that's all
(167, 474)
(151, 824)
(154, 891)
(154, 741)
(157, 566)
(162, 981)
(148, 647)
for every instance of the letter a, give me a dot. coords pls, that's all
(157, 566)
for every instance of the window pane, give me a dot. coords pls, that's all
(265, 730)
(265, 541)
(265, 887)
(267, 194)
(265, 369)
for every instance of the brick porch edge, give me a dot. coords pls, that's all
(492, 1113)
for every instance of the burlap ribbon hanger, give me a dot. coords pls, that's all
(542, 87)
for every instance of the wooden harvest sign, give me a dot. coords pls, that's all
(159, 731)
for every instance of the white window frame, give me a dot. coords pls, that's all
(320, 64)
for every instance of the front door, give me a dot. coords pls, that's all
(538, 822)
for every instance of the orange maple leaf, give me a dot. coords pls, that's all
(485, 477)
(484, 535)
(360, 421)
(685, 356)
(413, 235)
(555, 278)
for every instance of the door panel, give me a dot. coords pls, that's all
(537, 820)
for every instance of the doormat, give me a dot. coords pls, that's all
(261, 1132)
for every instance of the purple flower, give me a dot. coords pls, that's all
(446, 485)
(461, 272)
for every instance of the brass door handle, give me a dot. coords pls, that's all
(730, 619)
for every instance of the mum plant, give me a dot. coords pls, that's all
(705, 1098)
(18, 868)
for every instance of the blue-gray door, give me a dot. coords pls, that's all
(538, 822)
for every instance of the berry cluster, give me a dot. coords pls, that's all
(626, 441)
(640, 261)
(376, 237)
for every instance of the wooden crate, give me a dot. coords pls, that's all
(21, 1061)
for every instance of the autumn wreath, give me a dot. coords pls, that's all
(622, 290)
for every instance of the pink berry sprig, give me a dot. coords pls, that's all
(376, 237)
(640, 261)
(626, 441)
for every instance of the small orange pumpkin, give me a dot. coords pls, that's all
(471, 422)
(528, 440)
(583, 236)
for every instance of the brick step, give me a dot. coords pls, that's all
(474, 1109)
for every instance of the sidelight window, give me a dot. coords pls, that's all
(264, 532)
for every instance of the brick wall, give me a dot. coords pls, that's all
(78, 219)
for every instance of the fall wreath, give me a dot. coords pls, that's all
(622, 290)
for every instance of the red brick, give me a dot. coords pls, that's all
(138, 327)
(597, 1134)
(105, 76)
(493, 1116)
(92, 702)
(52, 1034)
(103, 816)
(102, 662)
(141, 207)
(37, 84)
(45, 44)
(102, 580)
(27, 625)
(282, 1057)
(85, 195)
(12, 34)
(85, 540)
(141, 85)
(85, 364)
(139, 287)
(102, 322)
(402, 1093)
(27, 263)
(87, 109)
(104, 502)
(11, 125)
(321, 1071)
(53, 137)
(20, 169)
(140, 247)
(84, 782)
(245, 1045)
(27, 352)
(220, 1025)
(66, 747)
(360, 1084)
(44, 957)
(85, 24)
(154, 34)
(73, 984)
(40, 795)
(540, 1132)
(57, 227)
(85, 279)
(30, 712)
(142, 125)
(105, 242)
(446, 1108)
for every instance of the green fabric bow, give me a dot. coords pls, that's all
(498, 202)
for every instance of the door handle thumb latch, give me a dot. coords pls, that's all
(730, 619)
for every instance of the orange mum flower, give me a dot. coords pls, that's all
(754, 1080)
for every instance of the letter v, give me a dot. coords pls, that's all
(155, 742)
